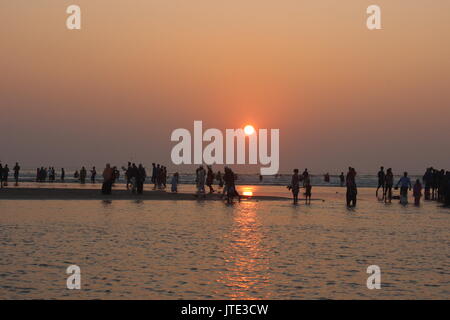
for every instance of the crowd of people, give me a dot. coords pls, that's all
(227, 181)
(303, 179)
(4, 174)
(434, 185)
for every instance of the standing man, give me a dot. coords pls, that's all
(16, 173)
(107, 179)
(352, 189)
(5, 175)
(153, 173)
(93, 174)
(381, 180)
(405, 184)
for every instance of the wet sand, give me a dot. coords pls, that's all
(18, 193)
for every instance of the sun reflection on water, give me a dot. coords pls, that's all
(246, 258)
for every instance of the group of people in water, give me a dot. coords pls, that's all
(136, 175)
(303, 179)
(4, 174)
(225, 181)
(434, 185)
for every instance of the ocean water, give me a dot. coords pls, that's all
(208, 250)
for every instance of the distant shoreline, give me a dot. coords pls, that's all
(18, 193)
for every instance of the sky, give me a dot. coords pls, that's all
(137, 70)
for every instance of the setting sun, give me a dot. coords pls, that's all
(249, 130)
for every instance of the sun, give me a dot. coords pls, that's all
(249, 130)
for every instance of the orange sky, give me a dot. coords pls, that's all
(340, 94)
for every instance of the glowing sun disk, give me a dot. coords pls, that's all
(249, 130)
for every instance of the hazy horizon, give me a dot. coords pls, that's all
(115, 90)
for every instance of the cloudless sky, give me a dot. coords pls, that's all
(340, 94)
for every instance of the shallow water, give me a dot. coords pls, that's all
(207, 250)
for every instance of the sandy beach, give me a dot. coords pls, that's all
(95, 194)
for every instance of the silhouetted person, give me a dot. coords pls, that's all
(157, 177)
(141, 175)
(434, 184)
(107, 179)
(447, 189)
(305, 173)
(5, 175)
(16, 173)
(326, 177)
(210, 179)
(174, 182)
(230, 186)
(352, 190)
(83, 174)
(116, 174)
(295, 185)
(154, 173)
(164, 176)
(427, 181)
(308, 188)
(405, 184)
(388, 184)
(417, 192)
(93, 174)
(63, 174)
(381, 180)
(54, 173)
(132, 176)
(200, 175)
(441, 185)
(128, 174)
